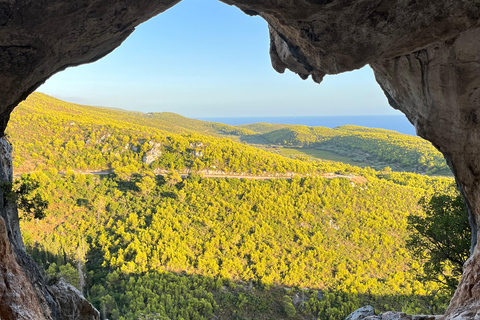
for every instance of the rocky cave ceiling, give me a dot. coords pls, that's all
(425, 55)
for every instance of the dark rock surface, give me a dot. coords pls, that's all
(438, 88)
(334, 36)
(425, 54)
(23, 294)
(39, 38)
(18, 299)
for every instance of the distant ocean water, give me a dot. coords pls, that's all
(397, 123)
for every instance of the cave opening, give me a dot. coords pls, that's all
(426, 64)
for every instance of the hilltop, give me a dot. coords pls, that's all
(49, 133)
(94, 138)
(376, 148)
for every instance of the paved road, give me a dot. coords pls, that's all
(239, 176)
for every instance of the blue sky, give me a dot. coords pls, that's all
(207, 59)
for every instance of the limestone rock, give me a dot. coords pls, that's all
(333, 36)
(41, 38)
(438, 89)
(72, 304)
(10, 214)
(426, 317)
(153, 154)
(18, 299)
(197, 148)
(361, 313)
(23, 291)
(368, 313)
(391, 315)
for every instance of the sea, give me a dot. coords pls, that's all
(397, 123)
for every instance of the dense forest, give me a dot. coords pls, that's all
(50, 133)
(70, 136)
(331, 236)
(377, 147)
(143, 242)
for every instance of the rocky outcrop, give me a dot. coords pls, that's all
(361, 313)
(334, 36)
(425, 55)
(72, 304)
(438, 88)
(153, 153)
(23, 291)
(23, 294)
(38, 39)
(368, 313)
(18, 299)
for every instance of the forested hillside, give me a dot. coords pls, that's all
(142, 242)
(375, 147)
(50, 133)
(91, 138)
(234, 248)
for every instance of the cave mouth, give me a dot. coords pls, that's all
(425, 56)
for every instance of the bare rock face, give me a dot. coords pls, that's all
(425, 54)
(153, 153)
(39, 38)
(72, 304)
(23, 291)
(361, 313)
(18, 299)
(368, 313)
(334, 36)
(438, 88)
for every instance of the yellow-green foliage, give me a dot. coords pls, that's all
(207, 127)
(159, 247)
(299, 135)
(48, 132)
(262, 127)
(406, 152)
(390, 146)
(347, 240)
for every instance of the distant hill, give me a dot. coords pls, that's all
(297, 135)
(206, 127)
(171, 122)
(50, 133)
(74, 128)
(262, 127)
(375, 146)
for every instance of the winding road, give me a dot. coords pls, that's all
(357, 179)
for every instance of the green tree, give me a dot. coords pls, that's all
(29, 199)
(289, 307)
(441, 237)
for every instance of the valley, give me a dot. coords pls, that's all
(157, 216)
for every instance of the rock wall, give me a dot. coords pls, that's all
(23, 291)
(334, 36)
(40, 38)
(425, 55)
(438, 89)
